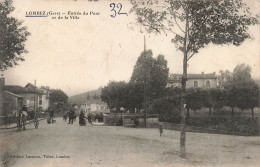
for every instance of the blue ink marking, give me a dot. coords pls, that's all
(36, 16)
(119, 6)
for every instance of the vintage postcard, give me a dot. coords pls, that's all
(129, 83)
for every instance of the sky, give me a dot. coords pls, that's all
(78, 55)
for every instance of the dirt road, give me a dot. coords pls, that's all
(65, 145)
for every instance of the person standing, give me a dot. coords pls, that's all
(51, 114)
(71, 115)
(82, 117)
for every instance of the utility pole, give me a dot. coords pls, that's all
(145, 98)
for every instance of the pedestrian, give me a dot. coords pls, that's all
(161, 130)
(51, 114)
(89, 118)
(71, 115)
(82, 117)
(65, 117)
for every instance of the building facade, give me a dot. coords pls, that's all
(12, 102)
(34, 98)
(194, 80)
(94, 106)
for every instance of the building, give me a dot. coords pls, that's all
(12, 102)
(194, 80)
(43, 100)
(33, 97)
(9, 101)
(94, 106)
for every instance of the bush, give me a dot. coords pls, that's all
(241, 125)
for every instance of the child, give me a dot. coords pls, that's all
(161, 130)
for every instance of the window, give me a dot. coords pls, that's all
(208, 84)
(195, 84)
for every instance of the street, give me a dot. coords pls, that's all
(62, 144)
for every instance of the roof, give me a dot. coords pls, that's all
(14, 89)
(10, 93)
(19, 89)
(88, 102)
(177, 77)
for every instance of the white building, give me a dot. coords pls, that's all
(194, 80)
(94, 106)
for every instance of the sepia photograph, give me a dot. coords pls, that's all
(129, 83)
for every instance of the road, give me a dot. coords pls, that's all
(66, 145)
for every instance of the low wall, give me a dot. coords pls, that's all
(131, 119)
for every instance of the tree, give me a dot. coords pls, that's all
(224, 78)
(194, 99)
(150, 77)
(57, 96)
(253, 97)
(242, 91)
(115, 94)
(194, 25)
(151, 74)
(13, 37)
(241, 74)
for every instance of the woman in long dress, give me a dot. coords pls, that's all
(82, 117)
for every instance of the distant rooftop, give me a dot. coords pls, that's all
(16, 89)
(194, 76)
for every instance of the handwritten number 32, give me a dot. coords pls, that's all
(119, 6)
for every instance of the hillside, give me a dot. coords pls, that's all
(83, 97)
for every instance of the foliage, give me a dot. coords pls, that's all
(196, 24)
(224, 78)
(149, 76)
(57, 96)
(151, 72)
(242, 91)
(227, 125)
(13, 37)
(194, 99)
(115, 94)
(168, 108)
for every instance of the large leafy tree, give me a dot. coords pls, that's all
(242, 91)
(149, 78)
(151, 74)
(193, 25)
(57, 96)
(115, 94)
(12, 37)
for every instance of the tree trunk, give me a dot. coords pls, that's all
(232, 111)
(252, 110)
(183, 130)
(195, 112)
(183, 90)
(209, 111)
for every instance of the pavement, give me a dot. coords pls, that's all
(66, 145)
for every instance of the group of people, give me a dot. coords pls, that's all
(71, 115)
(82, 118)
